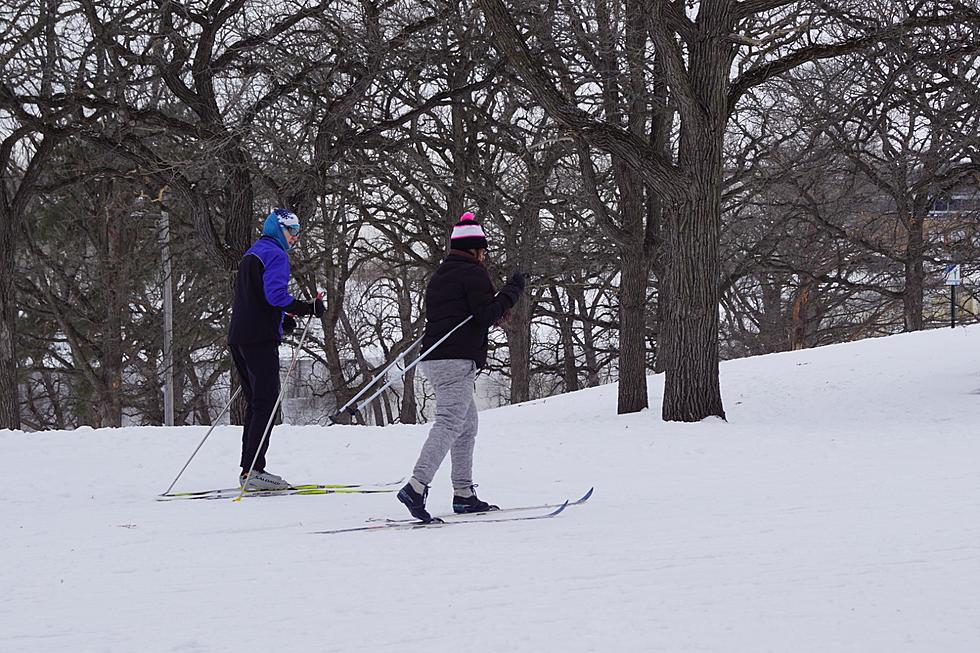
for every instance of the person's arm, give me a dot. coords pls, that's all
(486, 307)
(298, 307)
(275, 283)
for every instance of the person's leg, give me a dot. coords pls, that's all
(245, 379)
(464, 493)
(461, 452)
(263, 367)
(452, 381)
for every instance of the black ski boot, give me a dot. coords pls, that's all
(471, 503)
(415, 502)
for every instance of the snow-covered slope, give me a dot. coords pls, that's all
(837, 510)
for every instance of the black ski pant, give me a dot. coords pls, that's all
(258, 372)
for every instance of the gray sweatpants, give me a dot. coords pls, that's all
(456, 421)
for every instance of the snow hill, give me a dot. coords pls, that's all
(836, 510)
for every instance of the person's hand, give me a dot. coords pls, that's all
(288, 325)
(517, 279)
(299, 307)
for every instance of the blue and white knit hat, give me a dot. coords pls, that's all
(468, 234)
(278, 220)
(287, 220)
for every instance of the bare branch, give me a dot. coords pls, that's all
(766, 71)
(665, 178)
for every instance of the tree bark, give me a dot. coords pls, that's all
(692, 390)
(111, 363)
(632, 332)
(13, 204)
(914, 277)
(409, 411)
(519, 346)
(9, 393)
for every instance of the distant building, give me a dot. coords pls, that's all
(955, 219)
(958, 204)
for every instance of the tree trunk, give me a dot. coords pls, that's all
(9, 392)
(567, 336)
(111, 363)
(236, 413)
(12, 208)
(409, 410)
(692, 391)
(632, 332)
(914, 278)
(456, 192)
(362, 363)
(519, 346)
(389, 415)
(772, 321)
(588, 337)
(331, 354)
(527, 240)
(408, 413)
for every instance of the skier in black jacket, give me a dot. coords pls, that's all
(461, 287)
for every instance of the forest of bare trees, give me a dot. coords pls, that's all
(684, 182)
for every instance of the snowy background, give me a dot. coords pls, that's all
(836, 510)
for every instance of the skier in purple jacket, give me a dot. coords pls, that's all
(261, 313)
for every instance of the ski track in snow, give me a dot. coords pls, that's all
(836, 510)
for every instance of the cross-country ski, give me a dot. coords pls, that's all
(476, 518)
(232, 493)
(453, 516)
(292, 489)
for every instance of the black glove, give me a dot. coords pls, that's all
(306, 308)
(288, 325)
(299, 308)
(517, 280)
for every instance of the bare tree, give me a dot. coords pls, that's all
(908, 126)
(708, 61)
(35, 65)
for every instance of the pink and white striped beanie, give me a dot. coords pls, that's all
(468, 234)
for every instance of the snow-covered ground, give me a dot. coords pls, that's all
(837, 510)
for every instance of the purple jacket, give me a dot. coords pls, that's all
(260, 294)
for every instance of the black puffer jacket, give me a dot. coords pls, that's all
(459, 288)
